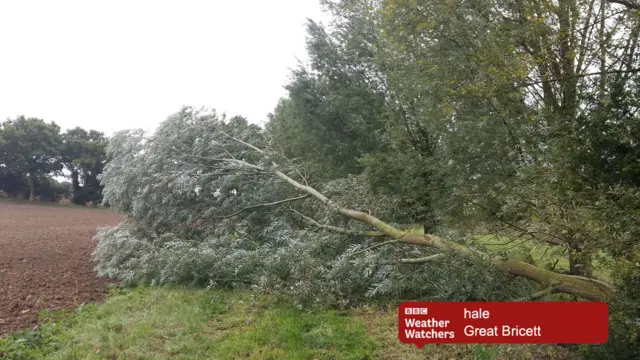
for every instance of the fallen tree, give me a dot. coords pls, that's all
(199, 179)
(588, 288)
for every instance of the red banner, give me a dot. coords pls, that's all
(424, 323)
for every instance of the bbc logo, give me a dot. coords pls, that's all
(415, 311)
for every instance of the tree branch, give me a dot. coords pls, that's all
(627, 3)
(227, 160)
(374, 247)
(413, 261)
(339, 229)
(421, 260)
(242, 142)
(563, 78)
(262, 205)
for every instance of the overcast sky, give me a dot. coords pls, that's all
(116, 65)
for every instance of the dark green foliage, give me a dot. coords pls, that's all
(13, 185)
(332, 115)
(49, 189)
(29, 149)
(32, 151)
(624, 315)
(46, 187)
(83, 154)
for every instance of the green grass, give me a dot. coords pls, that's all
(194, 324)
(165, 323)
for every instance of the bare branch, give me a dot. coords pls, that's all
(338, 229)
(231, 160)
(240, 162)
(374, 247)
(242, 142)
(227, 160)
(294, 167)
(421, 260)
(262, 205)
(627, 3)
(414, 261)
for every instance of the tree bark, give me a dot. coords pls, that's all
(78, 195)
(32, 187)
(75, 181)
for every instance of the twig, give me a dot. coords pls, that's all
(262, 205)
(374, 246)
(242, 142)
(293, 166)
(545, 253)
(232, 161)
(421, 260)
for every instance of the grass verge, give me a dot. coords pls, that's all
(162, 323)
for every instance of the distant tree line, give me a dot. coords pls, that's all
(33, 153)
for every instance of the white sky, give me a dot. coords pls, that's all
(117, 65)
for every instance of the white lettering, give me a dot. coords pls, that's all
(476, 314)
(426, 323)
(429, 334)
(518, 331)
(469, 330)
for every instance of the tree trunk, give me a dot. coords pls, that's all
(32, 187)
(78, 196)
(75, 180)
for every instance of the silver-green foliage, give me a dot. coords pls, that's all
(183, 190)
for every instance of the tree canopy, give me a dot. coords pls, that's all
(33, 152)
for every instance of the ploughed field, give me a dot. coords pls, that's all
(45, 260)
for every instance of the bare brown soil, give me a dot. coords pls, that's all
(45, 260)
